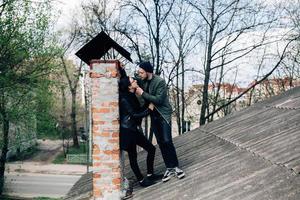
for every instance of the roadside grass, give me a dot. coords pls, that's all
(60, 158)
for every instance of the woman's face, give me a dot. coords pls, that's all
(133, 84)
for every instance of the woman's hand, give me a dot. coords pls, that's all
(151, 106)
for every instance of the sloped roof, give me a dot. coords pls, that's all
(251, 154)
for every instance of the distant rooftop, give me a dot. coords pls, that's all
(251, 154)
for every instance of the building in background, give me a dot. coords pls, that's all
(221, 93)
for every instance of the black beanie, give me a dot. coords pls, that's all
(124, 83)
(146, 66)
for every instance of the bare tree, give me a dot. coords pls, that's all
(154, 13)
(73, 80)
(265, 77)
(72, 75)
(183, 40)
(291, 66)
(225, 25)
(97, 16)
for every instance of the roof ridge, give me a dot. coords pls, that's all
(293, 172)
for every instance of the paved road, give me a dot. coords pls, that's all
(30, 185)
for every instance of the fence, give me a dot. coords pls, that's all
(77, 158)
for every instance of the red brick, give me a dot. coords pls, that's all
(113, 109)
(97, 164)
(115, 134)
(110, 152)
(115, 157)
(116, 169)
(116, 181)
(117, 187)
(95, 151)
(113, 141)
(104, 171)
(115, 122)
(96, 148)
(114, 104)
(97, 193)
(110, 165)
(100, 110)
(115, 145)
(96, 129)
(96, 158)
(105, 134)
(96, 175)
(99, 122)
(96, 75)
(105, 104)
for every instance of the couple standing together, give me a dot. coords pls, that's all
(152, 90)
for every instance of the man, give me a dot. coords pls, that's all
(153, 89)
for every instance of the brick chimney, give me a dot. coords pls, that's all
(105, 130)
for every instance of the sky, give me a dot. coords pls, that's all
(68, 7)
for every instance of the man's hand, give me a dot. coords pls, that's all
(151, 106)
(139, 91)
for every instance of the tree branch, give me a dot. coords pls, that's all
(258, 82)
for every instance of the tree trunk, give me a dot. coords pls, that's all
(177, 101)
(63, 120)
(184, 128)
(73, 119)
(205, 105)
(217, 95)
(4, 149)
(157, 39)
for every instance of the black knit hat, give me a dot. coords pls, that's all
(124, 83)
(146, 66)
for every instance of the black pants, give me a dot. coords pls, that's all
(162, 131)
(141, 141)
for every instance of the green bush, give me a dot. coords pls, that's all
(29, 153)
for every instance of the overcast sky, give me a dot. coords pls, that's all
(69, 7)
(66, 9)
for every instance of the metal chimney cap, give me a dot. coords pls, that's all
(98, 47)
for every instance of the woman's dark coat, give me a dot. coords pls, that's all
(130, 118)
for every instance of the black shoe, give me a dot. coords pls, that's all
(154, 177)
(168, 175)
(179, 173)
(128, 195)
(146, 182)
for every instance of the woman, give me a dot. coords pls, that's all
(130, 118)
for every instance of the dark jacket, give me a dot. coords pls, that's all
(158, 95)
(131, 115)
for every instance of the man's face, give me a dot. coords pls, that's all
(142, 74)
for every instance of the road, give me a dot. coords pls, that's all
(29, 185)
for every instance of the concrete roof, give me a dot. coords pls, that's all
(251, 154)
